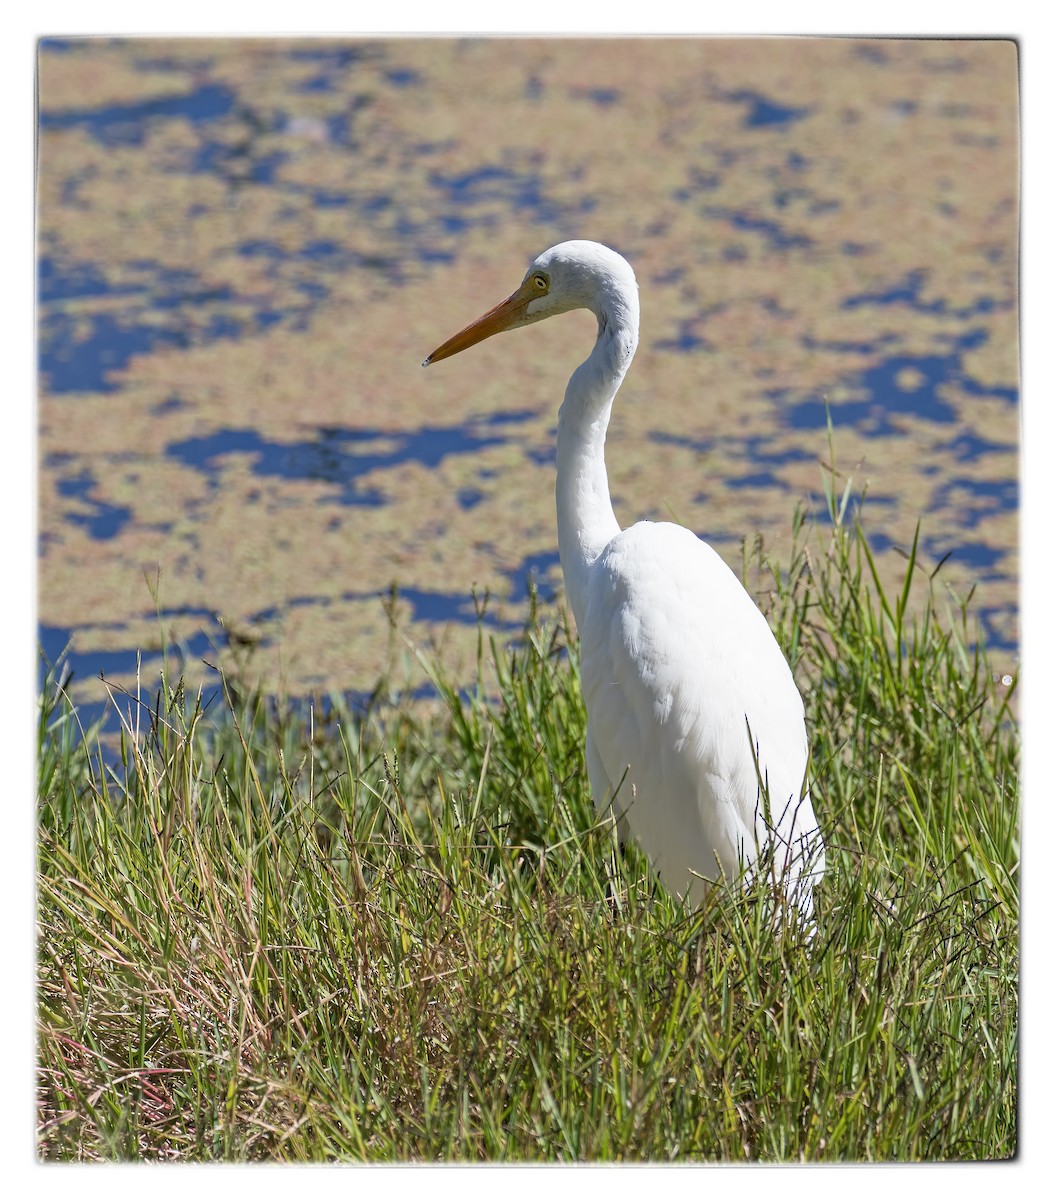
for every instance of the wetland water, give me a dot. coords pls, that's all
(246, 248)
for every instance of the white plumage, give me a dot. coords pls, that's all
(690, 702)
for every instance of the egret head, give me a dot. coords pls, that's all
(567, 276)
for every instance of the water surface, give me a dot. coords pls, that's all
(245, 249)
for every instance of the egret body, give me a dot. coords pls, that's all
(695, 734)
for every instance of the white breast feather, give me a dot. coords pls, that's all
(675, 658)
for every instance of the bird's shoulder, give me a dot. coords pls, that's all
(652, 556)
(665, 612)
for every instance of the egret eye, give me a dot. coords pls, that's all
(541, 282)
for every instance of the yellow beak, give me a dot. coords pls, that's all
(506, 315)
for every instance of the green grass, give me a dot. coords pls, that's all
(270, 934)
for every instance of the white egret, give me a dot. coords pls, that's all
(695, 731)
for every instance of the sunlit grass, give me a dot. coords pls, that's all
(295, 934)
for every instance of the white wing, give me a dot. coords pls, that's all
(678, 666)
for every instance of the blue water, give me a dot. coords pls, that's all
(762, 112)
(881, 394)
(128, 124)
(986, 497)
(342, 456)
(469, 497)
(760, 479)
(842, 346)
(967, 446)
(604, 97)
(759, 448)
(908, 291)
(805, 199)
(106, 521)
(403, 77)
(426, 605)
(237, 164)
(773, 233)
(87, 353)
(57, 658)
(54, 640)
(978, 556)
(687, 338)
(445, 608)
(150, 306)
(532, 572)
(73, 281)
(523, 192)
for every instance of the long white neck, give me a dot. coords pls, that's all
(586, 523)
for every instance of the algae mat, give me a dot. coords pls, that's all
(246, 248)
